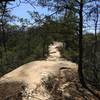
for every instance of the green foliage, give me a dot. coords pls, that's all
(69, 54)
(24, 46)
(91, 60)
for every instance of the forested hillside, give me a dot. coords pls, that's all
(74, 23)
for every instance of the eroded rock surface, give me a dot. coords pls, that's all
(27, 82)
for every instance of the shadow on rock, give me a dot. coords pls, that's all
(11, 90)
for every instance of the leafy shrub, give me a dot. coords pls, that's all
(69, 54)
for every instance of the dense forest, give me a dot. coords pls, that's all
(70, 22)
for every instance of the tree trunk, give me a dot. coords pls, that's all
(80, 69)
(96, 79)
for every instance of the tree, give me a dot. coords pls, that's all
(5, 0)
(80, 69)
(94, 18)
(73, 5)
(3, 21)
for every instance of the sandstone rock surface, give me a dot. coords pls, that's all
(24, 83)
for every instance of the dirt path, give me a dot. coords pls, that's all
(32, 73)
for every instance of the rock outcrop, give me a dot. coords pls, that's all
(51, 79)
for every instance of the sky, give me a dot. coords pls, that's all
(21, 11)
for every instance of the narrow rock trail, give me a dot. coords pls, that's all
(54, 53)
(30, 75)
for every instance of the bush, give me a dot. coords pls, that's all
(69, 54)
